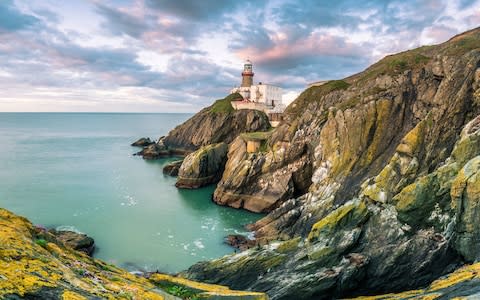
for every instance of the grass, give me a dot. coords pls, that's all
(396, 64)
(463, 45)
(180, 291)
(80, 272)
(315, 93)
(223, 105)
(258, 135)
(41, 242)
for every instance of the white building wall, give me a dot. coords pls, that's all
(266, 95)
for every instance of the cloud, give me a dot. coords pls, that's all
(139, 54)
(198, 11)
(12, 19)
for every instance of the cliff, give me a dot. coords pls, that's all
(373, 181)
(35, 265)
(214, 124)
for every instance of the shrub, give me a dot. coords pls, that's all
(41, 242)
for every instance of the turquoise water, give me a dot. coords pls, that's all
(77, 171)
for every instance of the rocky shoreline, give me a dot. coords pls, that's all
(36, 263)
(370, 182)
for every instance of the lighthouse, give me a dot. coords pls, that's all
(247, 74)
(261, 96)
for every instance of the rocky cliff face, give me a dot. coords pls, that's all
(373, 180)
(218, 123)
(36, 265)
(215, 124)
(202, 167)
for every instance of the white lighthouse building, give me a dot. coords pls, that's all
(264, 97)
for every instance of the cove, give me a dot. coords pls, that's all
(76, 171)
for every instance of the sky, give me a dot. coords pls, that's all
(179, 55)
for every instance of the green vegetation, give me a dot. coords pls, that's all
(315, 93)
(223, 105)
(80, 272)
(41, 242)
(463, 45)
(334, 85)
(396, 64)
(258, 135)
(180, 291)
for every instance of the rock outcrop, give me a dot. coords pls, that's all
(202, 167)
(142, 142)
(261, 181)
(172, 168)
(36, 265)
(461, 284)
(218, 123)
(75, 240)
(393, 195)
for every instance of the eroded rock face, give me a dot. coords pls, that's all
(394, 188)
(202, 167)
(260, 182)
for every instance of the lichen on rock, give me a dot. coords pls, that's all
(30, 269)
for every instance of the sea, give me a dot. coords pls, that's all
(76, 171)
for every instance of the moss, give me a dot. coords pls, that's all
(414, 139)
(180, 291)
(348, 215)
(256, 136)
(352, 102)
(202, 290)
(321, 254)
(288, 246)
(224, 105)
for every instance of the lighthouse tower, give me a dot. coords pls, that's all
(247, 74)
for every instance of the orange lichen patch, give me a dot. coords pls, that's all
(197, 286)
(405, 295)
(68, 295)
(436, 288)
(463, 274)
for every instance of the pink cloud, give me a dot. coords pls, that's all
(315, 44)
(439, 33)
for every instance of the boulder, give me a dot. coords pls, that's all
(239, 241)
(142, 142)
(75, 240)
(172, 168)
(202, 167)
(155, 150)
